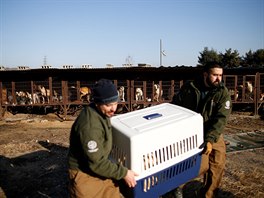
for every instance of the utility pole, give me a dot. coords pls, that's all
(45, 61)
(161, 53)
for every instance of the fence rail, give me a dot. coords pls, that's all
(68, 96)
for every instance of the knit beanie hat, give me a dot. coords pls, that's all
(104, 92)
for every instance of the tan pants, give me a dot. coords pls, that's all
(82, 185)
(212, 167)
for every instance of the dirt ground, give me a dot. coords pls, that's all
(33, 151)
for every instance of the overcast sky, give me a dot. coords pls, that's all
(100, 32)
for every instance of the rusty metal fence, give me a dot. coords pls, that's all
(68, 96)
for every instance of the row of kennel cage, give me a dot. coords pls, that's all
(66, 97)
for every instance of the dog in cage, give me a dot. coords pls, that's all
(249, 90)
(121, 93)
(158, 92)
(139, 94)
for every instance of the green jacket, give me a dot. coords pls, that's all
(215, 107)
(91, 144)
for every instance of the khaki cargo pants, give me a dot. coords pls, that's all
(212, 167)
(82, 185)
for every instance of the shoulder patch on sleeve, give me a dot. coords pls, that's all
(92, 146)
(227, 105)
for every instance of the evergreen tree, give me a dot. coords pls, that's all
(230, 59)
(259, 58)
(208, 56)
(248, 59)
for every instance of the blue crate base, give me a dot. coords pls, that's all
(165, 180)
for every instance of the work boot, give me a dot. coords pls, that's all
(199, 193)
(177, 193)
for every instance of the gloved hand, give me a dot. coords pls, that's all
(208, 148)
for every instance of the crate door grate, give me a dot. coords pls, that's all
(119, 155)
(169, 152)
(169, 173)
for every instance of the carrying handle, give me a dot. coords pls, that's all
(152, 116)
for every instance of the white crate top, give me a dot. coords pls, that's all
(137, 122)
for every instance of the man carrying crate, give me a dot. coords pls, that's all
(91, 173)
(209, 97)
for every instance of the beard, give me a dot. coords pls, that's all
(212, 84)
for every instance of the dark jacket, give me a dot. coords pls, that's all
(91, 144)
(215, 107)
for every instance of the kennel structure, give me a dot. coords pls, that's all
(60, 90)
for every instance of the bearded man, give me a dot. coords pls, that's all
(209, 97)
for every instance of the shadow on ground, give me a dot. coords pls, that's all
(44, 174)
(35, 174)
(191, 190)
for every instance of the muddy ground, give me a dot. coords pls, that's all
(33, 151)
